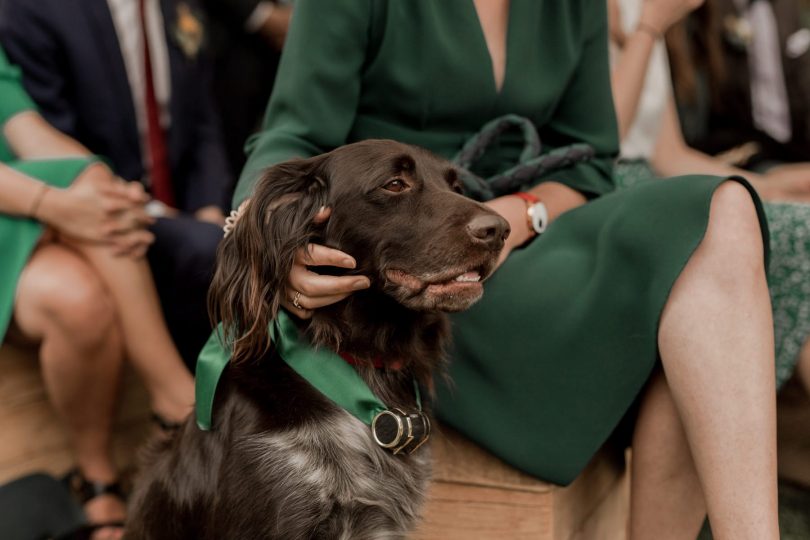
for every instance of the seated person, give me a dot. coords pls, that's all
(751, 60)
(653, 296)
(73, 282)
(653, 145)
(130, 81)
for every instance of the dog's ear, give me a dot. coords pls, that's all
(255, 258)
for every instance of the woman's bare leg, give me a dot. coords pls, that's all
(62, 304)
(148, 344)
(667, 499)
(716, 345)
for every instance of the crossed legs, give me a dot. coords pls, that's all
(87, 308)
(707, 422)
(62, 305)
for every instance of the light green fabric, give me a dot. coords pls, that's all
(323, 369)
(552, 358)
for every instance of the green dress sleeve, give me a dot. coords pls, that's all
(585, 113)
(315, 98)
(13, 98)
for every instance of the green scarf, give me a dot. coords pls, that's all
(323, 369)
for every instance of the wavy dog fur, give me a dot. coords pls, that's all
(282, 461)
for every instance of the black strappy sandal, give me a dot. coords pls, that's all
(86, 490)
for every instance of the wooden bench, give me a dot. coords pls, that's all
(474, 494)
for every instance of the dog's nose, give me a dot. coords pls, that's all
(489, 229)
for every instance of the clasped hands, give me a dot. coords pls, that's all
(100, 208)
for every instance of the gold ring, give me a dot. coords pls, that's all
(295, 300)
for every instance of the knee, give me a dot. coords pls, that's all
(75, 301)
(733, 222)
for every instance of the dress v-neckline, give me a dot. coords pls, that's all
(498, 90)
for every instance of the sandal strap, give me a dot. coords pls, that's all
(86, 490)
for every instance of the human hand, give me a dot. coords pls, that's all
(211, 214)
(660, 15)
(788, 184)
(311, 290)
(99, 208)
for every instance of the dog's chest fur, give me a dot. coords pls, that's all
(321, 466)
(332, 476)
(283, 462)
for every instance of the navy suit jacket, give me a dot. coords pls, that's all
(74, 70)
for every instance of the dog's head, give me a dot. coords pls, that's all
(396, 209)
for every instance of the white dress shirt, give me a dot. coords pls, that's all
(127, 21)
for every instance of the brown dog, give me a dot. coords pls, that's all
(282, 460)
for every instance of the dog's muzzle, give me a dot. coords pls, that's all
(398, 431)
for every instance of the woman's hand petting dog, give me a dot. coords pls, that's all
(311, 290)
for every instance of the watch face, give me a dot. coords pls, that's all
(539, 217)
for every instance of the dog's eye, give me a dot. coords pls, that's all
(396, 185)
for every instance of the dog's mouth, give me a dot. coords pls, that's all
(451, 290)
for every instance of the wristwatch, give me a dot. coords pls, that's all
(536, 212)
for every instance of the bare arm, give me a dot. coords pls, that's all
(96, 208)
(18, 192)
(630, 71)
(31, 137)
(673, 157)
(628, 76)
(557, 198)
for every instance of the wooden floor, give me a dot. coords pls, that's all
(33, 438)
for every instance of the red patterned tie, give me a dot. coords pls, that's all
(160, 173)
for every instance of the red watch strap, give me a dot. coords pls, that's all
(528, 197)
(530, 200)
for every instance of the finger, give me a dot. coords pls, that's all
(139, 218)
(136, 192)
(138, 252)
(112, 204)
(315, 285)
(114, 228)
(133, 244)
(114, 189)
(300, 313)
(318, 255)
(125, 221)
(322, 215)
(314, 303)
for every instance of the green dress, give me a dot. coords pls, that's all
(19, 236)
(552, 358)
